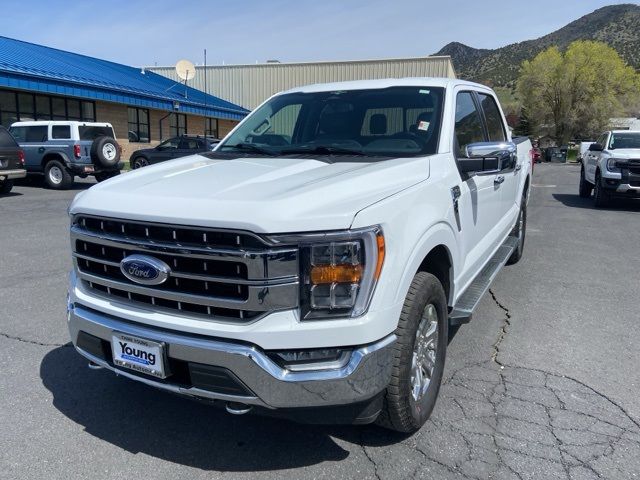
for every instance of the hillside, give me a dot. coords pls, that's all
(616, 25)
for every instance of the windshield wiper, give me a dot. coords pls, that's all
(251, 147)
(323, 149)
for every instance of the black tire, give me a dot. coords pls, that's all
(402, 411)
(520, 232)
(102, 176)
(105, 152)
(139, 162)
(600, 197)
(57, 176)
(6, 186)
(585, 187)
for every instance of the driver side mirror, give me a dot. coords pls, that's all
(488, 158)
(596, 147)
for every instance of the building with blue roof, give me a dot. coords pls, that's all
(42, 83)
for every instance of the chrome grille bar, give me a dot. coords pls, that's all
(225, 275)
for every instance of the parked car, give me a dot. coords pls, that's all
(536, 155)
(175, 147)
(11, 161)
(555, 154)
(611, 167)
(310, 266)
(63, 149)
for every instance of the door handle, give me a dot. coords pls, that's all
(518, 167)
(498, 180)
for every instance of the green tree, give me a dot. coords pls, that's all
(573, 94)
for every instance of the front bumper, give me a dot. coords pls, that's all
(267, 384)
(12, 174)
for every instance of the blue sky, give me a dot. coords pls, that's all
(161, 32)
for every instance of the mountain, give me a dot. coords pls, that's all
(616, 25)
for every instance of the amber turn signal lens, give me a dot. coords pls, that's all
(324, 274)
(380, 243)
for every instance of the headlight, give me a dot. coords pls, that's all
(611, 165)
(339, 271)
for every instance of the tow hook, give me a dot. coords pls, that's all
(95, 366)
(237, 408)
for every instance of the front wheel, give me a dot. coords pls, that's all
(585, 187)
(600, 196)
(419, 355)
(57, 176)
(139, 162)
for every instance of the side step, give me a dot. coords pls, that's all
(469, 300)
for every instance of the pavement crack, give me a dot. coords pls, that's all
(33, 342)
(503, 329)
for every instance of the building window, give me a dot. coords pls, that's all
(21, 106)
(211, 127)
(138, 125)
(178, 124)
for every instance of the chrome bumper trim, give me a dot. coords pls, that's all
(625, 188)
(11, 174)
(366, 374)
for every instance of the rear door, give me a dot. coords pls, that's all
(33, 141)
(592, 158)
(9, 152)
(507, 182)
(479, 205)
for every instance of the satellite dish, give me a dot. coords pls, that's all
(185, 69)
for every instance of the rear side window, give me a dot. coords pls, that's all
(492, 115)
(62, 132)
(6, 140)
(88, 132)
(468, 127)
(31, 134)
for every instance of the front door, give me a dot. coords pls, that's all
(479, 207)
(33, 142)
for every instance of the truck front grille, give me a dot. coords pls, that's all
(222, 275)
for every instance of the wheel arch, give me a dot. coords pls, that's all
(47, 157)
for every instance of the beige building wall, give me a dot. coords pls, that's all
(116, 114)
(250, 85)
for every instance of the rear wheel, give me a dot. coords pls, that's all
(139, 162)
(519, 231)
(419, 355)
(585, 187)
(57, 176)
(6, 186)
(600, 196)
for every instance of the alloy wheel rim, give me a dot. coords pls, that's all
(55, 174)
(109, 151)
(423, 360)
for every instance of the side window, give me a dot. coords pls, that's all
(170, 144)
(62, 132)
(492, 115)
(189, 144)
(468, 127)
(6, 140)
(36, 134)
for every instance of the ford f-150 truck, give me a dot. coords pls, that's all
(611, 167)
(310, 266)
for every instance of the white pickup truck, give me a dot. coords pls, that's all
(611, 167)
(312, 265)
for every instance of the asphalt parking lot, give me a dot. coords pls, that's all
(542, 384)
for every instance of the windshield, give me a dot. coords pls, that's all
(93, 132)
(624, 140)
(390, 122)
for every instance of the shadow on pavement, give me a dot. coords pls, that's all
(575, 201)
(37, 181)
(10, 194)
(138, 418)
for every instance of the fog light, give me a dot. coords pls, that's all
(316, 359)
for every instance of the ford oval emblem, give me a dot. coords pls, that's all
(145, 270)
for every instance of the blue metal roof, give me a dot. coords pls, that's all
(28, 66)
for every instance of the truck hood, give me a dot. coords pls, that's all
(625, 153)
(263, 195)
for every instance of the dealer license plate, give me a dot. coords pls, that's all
(138, 354)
